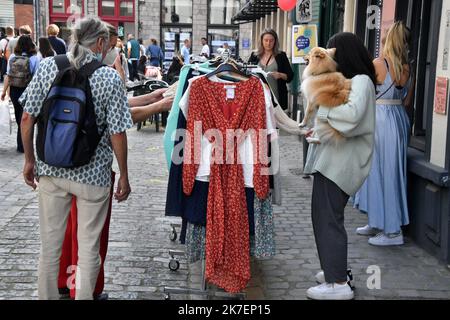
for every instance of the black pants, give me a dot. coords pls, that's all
(133, 72)
(15, 94)
(328, 204)
(3, 65)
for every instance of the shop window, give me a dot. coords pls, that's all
(172, 39)
(116, 9)
(58, 6)
(126, 8)
(217, 37)
(107, 8)
(221, 11)
(65, 7)
(176, 11)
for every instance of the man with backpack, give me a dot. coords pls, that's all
(4, 53)
(82, 114)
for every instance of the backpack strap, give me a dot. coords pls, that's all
(62, 62)
(89, 68)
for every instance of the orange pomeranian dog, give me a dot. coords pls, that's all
(323, 86)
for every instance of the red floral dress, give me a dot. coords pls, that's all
(227, 226)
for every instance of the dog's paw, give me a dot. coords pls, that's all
(311, 140)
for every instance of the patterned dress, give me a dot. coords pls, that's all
(227, 225)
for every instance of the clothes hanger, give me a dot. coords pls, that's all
(229, 68)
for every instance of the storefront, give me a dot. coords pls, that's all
(428, 155)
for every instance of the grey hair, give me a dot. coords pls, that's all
(85, 34)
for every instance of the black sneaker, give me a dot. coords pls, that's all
(101, 296)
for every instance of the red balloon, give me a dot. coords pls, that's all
(287, 5)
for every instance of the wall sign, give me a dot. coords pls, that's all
(304, 38)
(440, 97)
(245, 43)
(303, 11)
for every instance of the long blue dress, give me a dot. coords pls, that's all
(383, 195)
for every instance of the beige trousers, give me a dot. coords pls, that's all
(55, 197)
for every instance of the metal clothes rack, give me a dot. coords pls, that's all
(174, 263)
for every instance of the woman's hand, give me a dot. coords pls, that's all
(166, 103)
(3, 96)
(278, 75)
(309, 133)
(157, 94)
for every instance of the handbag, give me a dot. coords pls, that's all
(5, 117)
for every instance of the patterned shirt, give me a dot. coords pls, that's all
(111, 109)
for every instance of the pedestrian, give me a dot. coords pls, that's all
(142, 47)
(58, 44)
(133, 50)
(275, 63)
(90, 183)
(155, 53)
(383, 196)
(174, 70)
(22, 65)
(206, 52)
(4, 54)
(142, 108)
(142, 65)
(114, 57)
(124, 61)
(45, 49)
(225, 51)
(185, 53)
(24, 30)
(339, 171)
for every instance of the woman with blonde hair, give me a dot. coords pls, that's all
(384, 195)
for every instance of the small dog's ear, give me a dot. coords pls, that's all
(332, 52)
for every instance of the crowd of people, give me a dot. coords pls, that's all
(374, 123)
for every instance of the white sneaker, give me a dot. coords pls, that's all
(367, 231)
(320, 277)
(330, 291)
(382, 239)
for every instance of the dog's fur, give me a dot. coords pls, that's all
(323, 86)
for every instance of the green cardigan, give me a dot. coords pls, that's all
(347, 164)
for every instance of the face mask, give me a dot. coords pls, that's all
(99, 57)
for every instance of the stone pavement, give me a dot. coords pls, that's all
(136, 265)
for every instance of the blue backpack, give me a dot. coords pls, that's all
(68, 135)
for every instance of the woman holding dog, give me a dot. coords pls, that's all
(383, 195)
(275, 63)
(340, 170)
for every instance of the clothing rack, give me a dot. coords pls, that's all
(174, 263)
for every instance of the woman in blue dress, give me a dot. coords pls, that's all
(384, 194)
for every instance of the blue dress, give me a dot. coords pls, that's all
(383, 195)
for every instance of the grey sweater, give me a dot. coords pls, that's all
(348, 163)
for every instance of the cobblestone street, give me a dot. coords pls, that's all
(137, 261)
